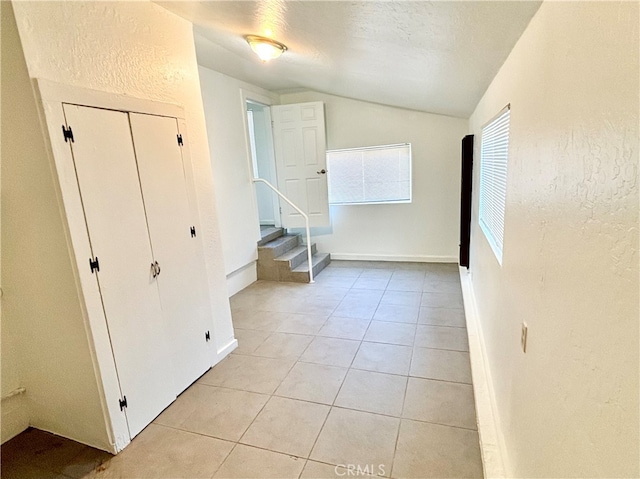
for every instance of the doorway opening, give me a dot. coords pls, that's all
(288, 151)
(264, 165)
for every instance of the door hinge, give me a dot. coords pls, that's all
(67, 133)
(180, 142)
(123, 403)
(207, 336)
(280, 209)
(94, 264)
(193, 231)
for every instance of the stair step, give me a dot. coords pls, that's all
(294, 257)
(270, 234)
(278, 247)
(283, 257)
(300, 274)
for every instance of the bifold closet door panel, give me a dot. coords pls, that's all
(182, 281)
(108, 181)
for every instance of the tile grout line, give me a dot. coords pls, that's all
(297, 360)
(253, 420)
(343, 367)
(334, 399)
(273, 394)
(350, 367)
(404, 400)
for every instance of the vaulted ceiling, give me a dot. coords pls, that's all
(430, 56)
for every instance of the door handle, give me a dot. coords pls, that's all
(322, 172)
(155, 269)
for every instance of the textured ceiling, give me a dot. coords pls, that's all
(430, 56)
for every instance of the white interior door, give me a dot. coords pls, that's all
(300, 147)
(185, 303)
(108, 181)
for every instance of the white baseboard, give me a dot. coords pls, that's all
(389, 257)
(241, 278)
(225, 351)
(15, 417)
(492, 445)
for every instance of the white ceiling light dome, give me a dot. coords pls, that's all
(266, 48)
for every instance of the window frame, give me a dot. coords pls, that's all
(493, 188)
(375, 147)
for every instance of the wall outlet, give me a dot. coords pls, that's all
(523, 337)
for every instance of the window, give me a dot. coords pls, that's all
(494, 154)
(375, 174)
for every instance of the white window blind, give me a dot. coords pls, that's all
(376, 174)
(494, 156)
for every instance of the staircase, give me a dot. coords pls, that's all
(283, 257)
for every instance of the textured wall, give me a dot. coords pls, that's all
(424, 230)
(17, 115)
(40, 297)
(569, 406)
(140, 50)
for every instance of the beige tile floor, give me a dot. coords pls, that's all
(365, 372)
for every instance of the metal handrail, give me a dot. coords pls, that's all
(306, 222)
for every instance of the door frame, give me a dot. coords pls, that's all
(253, 97)
(50, 97)
(466, 199)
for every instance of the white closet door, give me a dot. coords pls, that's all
(108, 180)
(182, 286)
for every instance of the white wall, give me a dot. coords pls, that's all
(132, 48)
(14, 93)
(569, 406)
(428, 228)
(61, 390)
(225, 112)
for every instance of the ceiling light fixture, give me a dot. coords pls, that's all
(266, 48)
